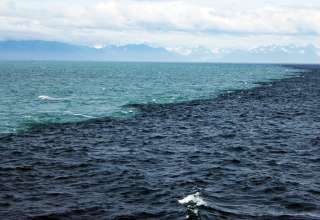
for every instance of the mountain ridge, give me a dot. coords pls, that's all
(53, 50)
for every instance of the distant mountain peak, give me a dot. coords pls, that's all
(48, 50)
(51, 50)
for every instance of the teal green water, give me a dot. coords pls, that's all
(46, 92)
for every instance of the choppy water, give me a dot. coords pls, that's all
(47, 92)
(247, 155)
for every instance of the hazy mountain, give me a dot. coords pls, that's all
(44, 50)
(268, 54)
(138, 52)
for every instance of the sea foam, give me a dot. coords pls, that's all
(192, 202)
(193, 199)
(48, 98)
(81, 115)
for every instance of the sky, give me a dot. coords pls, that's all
(175, 24)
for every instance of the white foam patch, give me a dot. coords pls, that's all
(45, 97)
(193, 199)
(77, 114)
(82, 115)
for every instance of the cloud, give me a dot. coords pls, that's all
(159, 22)
(6, 6)
(189, 17)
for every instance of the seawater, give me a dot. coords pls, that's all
(57, 92)
(251, 154)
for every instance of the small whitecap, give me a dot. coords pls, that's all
(44, 97)
(85, 116)
(77, 114)
(193, 199)
(49, 98)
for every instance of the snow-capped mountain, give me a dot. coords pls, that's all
(44, 50)
(272, 54)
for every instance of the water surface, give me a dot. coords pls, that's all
(49, 92)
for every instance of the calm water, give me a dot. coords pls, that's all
(44, 92)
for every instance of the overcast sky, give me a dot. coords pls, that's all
(168, 23)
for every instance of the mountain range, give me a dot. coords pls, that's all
(47, 50)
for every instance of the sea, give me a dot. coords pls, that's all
(126, 141)
(57, 92)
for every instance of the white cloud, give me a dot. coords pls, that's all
(167, 23)
(6, 6)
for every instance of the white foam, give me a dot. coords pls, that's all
(192, 203)
(82, 115)
(193, 199)
(45, 97)
(77, 114)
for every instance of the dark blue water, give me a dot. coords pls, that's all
(246, 154)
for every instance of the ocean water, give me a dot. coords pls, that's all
(55, 92)
(203, 141)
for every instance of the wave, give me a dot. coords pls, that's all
(50, 118)
(77, 114)
(49, 98)
(195, 199)
(192, 202)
